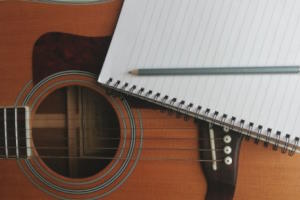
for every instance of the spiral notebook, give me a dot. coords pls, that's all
(203, 33)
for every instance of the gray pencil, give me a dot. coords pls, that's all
(216, 70)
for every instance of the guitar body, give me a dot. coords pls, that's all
(155, 154)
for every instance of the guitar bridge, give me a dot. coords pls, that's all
(221, 172)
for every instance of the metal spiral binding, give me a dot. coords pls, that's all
(223, 119)
(172, 102)
(156, 96)
(258, 134)
(179, 108)
(288, 145)
(275, 146)
(226, 128)
(163, 101)
(207, 111)
(148, 93)
(116, 84)
(294, 147)
(188, 109)
(180, 105)
(198, 110)
(124, 86)
(268, 136)
(215, 115)
(140, 91)
(232, 121)
(249, 131)
(109, 81)
(132, 88)
(242, 122)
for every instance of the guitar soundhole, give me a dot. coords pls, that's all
(76, 132)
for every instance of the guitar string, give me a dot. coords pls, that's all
(152, 158)
(169, 147)
(122, 158)
(144, 108)
(102, 128)
(116, 157)
(113, 148)
(61, 117)
(64, 138)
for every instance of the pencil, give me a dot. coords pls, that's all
(216, 70)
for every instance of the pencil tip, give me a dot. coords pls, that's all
(133, 72)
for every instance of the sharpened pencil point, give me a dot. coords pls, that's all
(134, 72)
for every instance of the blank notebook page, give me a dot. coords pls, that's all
(203, 33)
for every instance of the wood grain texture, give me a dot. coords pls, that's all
(263, 173)
(23, 22)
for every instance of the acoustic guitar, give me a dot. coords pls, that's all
(65, 136)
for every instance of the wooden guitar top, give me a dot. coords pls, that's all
(263, 173)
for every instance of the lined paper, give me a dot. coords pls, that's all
(203, 33)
